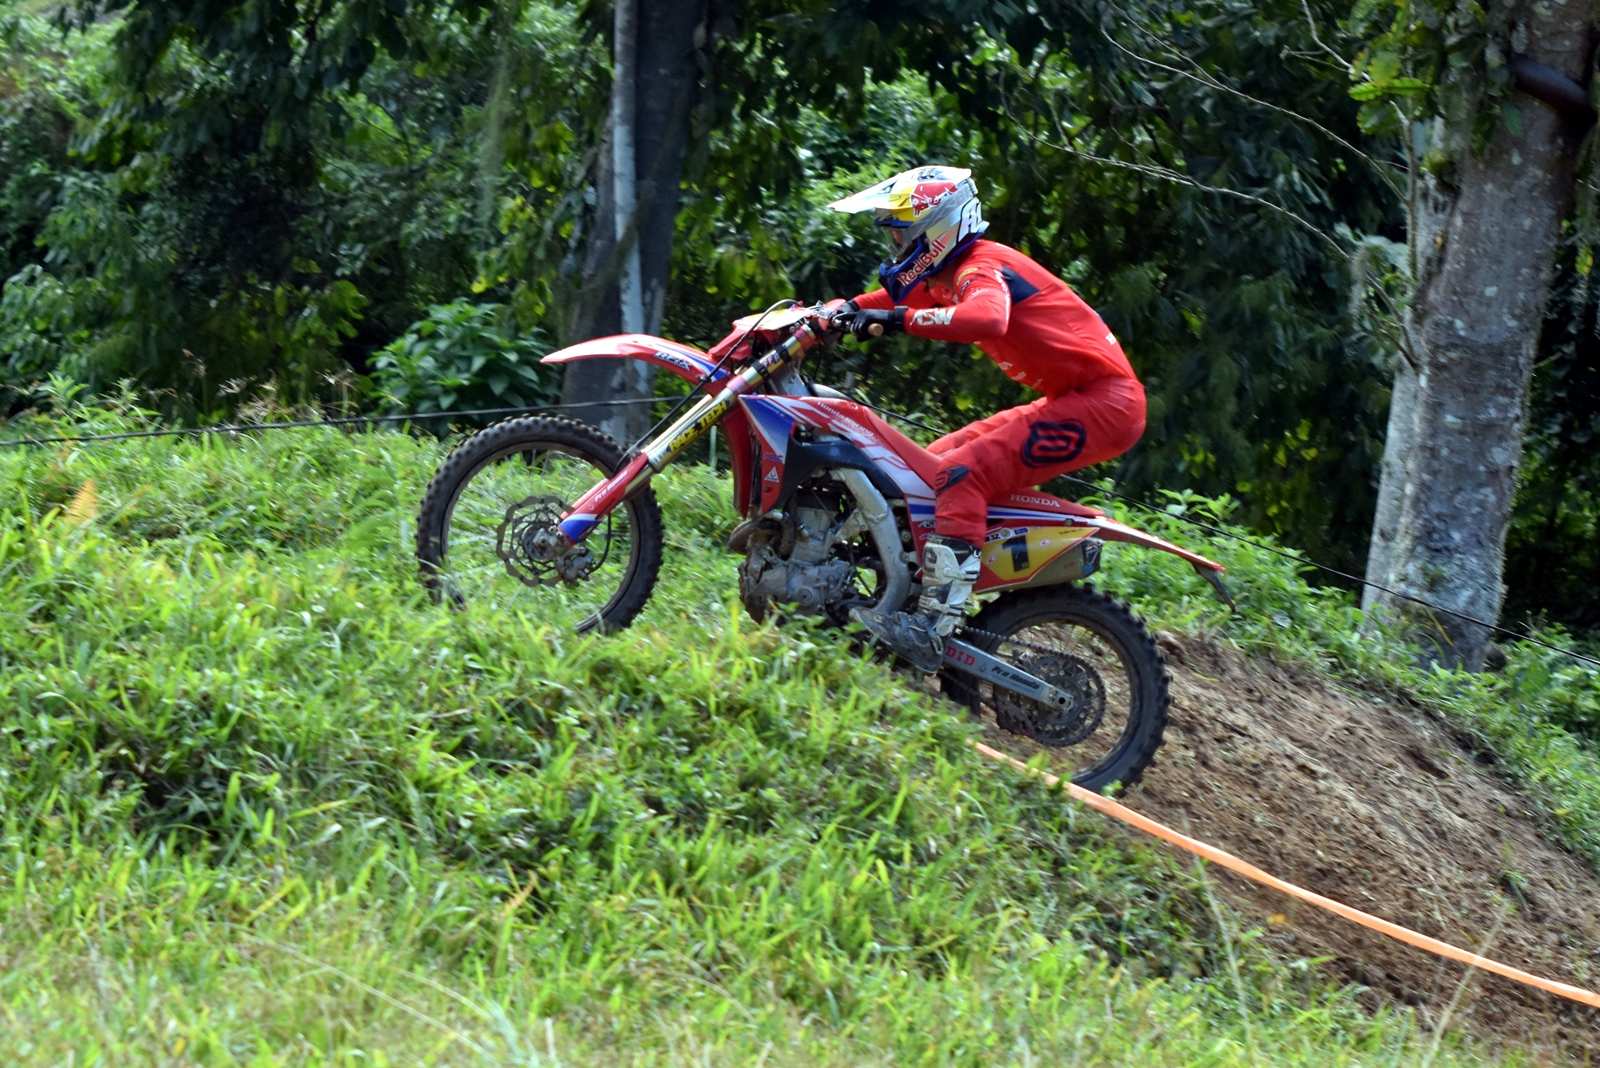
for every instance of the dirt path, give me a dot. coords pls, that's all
(1377, 804)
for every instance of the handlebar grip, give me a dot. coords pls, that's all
(876, 329)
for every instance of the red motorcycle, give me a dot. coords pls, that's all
(837, 504)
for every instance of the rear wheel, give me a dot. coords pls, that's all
(1090, 645)
(486, 529)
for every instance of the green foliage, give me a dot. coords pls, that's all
(37, 100)
(1434, 58)
(1563, 691)
(1107, 145)
(464, 356)
(190, 243)
(275, 807)
(148, 270)
(282, 64)
(38, 331)
(40, 90)
(1553, 544)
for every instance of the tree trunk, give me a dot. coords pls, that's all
(1483, 254)
(1427, 212)
(629, 255)
(624, 164)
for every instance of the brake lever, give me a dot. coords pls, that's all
(829, 333)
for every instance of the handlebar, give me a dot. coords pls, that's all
(815, 322)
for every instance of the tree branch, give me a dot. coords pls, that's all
(1179, 178)
(1206, 78)
(1167, 174)
(1311, 22)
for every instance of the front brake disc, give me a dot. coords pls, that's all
(536, 553)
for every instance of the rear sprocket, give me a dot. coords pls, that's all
(1049, 725)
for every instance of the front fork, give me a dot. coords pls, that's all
(587, 512)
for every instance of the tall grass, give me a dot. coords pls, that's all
(262, 803)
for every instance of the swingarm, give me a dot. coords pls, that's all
(969, 659)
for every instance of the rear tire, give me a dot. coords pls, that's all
(484, 489)
(1099, 649)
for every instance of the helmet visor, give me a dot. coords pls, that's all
(893, 219)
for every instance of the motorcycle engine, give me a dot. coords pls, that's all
(791, 561)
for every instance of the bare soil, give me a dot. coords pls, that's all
(1376, 802)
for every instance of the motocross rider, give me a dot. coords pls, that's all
(943, 281)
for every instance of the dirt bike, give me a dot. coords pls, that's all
(836, 504)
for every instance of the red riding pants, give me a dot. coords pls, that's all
(1022, 447)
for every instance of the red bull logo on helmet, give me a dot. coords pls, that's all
(929, 257)
(925, 195)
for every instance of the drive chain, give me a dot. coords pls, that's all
(1044, 650)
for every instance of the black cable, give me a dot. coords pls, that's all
(1298, 559)
(896, 415)
(240, 428)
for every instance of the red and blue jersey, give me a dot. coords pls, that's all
(1027, 320)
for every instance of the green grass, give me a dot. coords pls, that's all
(261, 803)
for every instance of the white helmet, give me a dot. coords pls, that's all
(932, 213)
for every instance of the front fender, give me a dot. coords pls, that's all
(685, 361)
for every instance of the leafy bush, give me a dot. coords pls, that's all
(1561, 690)
(465, 356)
(37, 329)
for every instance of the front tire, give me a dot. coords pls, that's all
(1089, 644)
(499, 489)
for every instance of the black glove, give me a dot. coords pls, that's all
(870, 322)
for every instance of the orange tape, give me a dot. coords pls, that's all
(1250, 871)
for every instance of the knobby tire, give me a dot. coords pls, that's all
(1113, 622)
(533, 435)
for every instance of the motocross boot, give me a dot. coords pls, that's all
(949, 568)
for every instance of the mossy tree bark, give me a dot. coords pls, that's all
(1483, 246)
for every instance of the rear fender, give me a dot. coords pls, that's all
(1035, 509)
(1009, 523)
(1111, 530)
(685, 361)
(1210, 570)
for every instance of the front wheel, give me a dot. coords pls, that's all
(1094, 648)
(486, 530)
